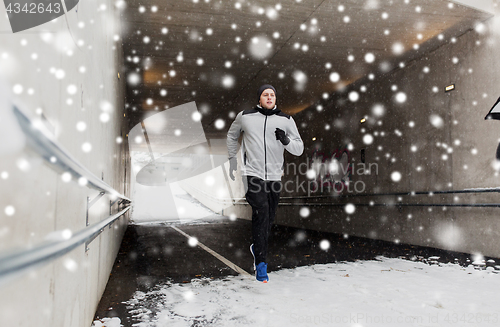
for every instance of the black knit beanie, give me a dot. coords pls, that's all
(265, 87)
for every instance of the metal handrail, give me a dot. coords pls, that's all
(42, 142)
(19, 261)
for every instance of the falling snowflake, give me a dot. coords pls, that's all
(300, 80)
(369, 57)
(196, 116)
(10, 210)
(66, 177)
(401, 97)
(311, 174)
(436, 121)
(349, 208)
(260, 47)
(82, 181)
(133, 79)
(324, 245)
(371, 5)
(398, 48)
(70, 265)
(86, 147)
(81, 126)
(353, 96)
(367, 139)
(272, 13)
(104, 117)
(378, 110)
(193, 241)
(17, 89)
(334, 77)
(396, 176)
(220, 123)
(228, 81)
(72, 89)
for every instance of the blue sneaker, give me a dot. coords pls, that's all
(251, 250)
(261, 274)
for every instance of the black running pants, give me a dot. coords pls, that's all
(263, 197)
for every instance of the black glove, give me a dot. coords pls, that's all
(233, 166)
(281, 136)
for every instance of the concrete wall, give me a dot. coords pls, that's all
(435, 140)
(67, 70)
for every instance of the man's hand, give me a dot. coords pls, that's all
(281, 136)
(233, 166)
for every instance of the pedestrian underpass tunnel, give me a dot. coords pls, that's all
(114, 119)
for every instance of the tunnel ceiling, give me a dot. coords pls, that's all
(217, 53)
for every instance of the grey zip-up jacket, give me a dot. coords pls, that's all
(262, 153)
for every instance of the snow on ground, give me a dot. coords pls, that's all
(107, 322)
(387, 292)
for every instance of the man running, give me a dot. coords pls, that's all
(267, 132)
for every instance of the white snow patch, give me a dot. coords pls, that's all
(366, 293)
(107, 322)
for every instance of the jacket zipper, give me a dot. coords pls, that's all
(265, 149)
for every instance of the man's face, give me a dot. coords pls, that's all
(268, 99)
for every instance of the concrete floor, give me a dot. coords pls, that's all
(152, 255)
